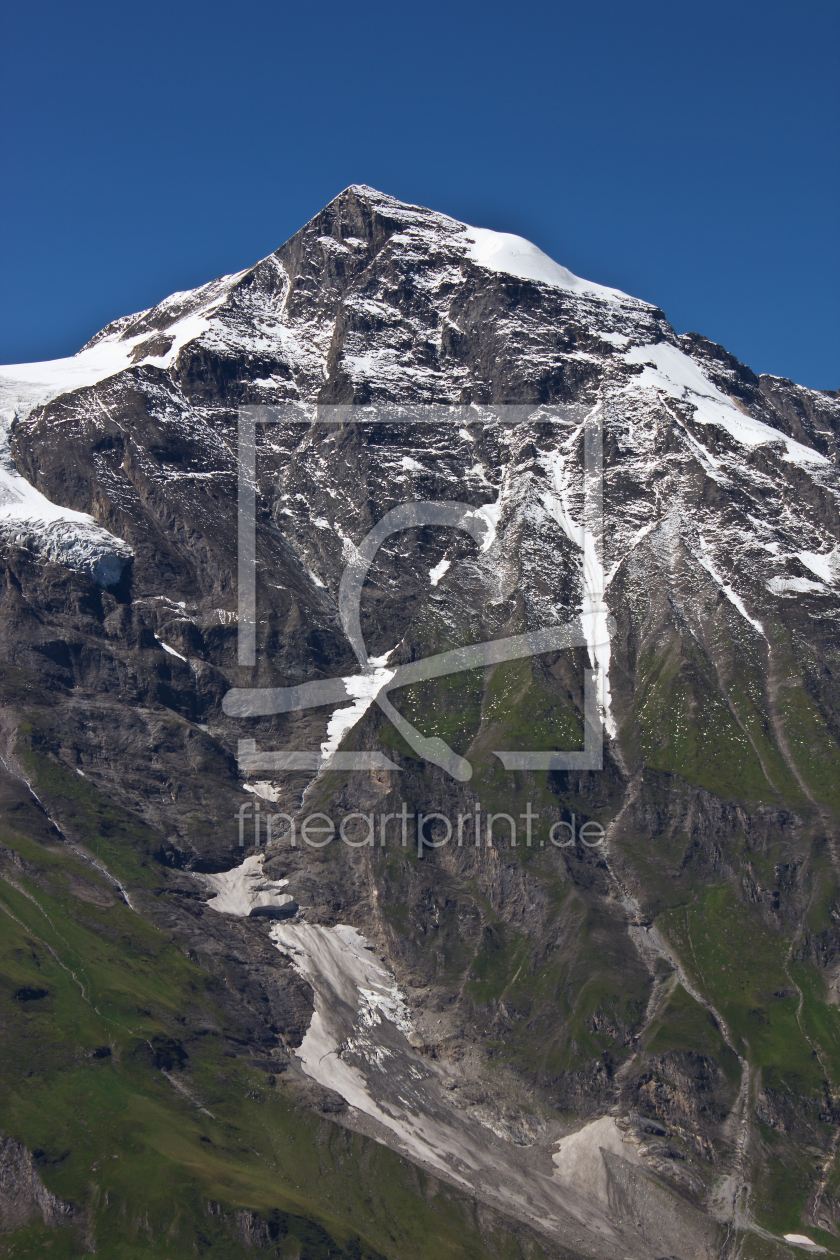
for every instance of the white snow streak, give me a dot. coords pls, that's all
(634, 542)
(594, 611)
(732, 595)
(670, 370)
(489, 513)
(171, 650)
(363, 687)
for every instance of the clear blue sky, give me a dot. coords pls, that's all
(685, 152)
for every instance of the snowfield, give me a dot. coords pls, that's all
(246, 891)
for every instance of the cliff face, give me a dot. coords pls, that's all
(662, 1004)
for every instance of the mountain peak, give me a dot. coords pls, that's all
(635, 987)
(502, 252)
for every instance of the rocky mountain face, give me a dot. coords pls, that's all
(616, 1038)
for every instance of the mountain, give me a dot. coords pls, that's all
(621, 1046)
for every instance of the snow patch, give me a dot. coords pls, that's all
(245, 891)
(28, 519)
(171, 650)
(489, 513)
(670, 370)
(438, 571)
(478, 470)
(63, 535)
(29, 385)
(363, 688)
(263, 788)
(825, 566)
(503, 251)
(343, 958)
(795, 586)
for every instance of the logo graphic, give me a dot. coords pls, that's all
(375, 681)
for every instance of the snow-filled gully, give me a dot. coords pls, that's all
(361, 1043)
(594, 611)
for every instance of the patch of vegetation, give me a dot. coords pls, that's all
(783, 1183)
(116, 1075)
(688, 728)
(812, 746)
(564, 1009)
(108, 831)
(509, 706)
(740, 964)
(684, 1025)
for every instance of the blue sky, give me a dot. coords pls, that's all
(688, 153)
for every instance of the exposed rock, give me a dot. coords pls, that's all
(23, 1195)
(533, 987)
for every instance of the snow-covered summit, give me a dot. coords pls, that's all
(375, 299)
(504, 252)
(155, 336)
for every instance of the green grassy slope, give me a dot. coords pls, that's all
(163, 1144)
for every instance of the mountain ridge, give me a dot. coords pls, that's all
(671, 997)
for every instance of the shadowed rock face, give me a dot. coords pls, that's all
(23, 1193)
(681, 978)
